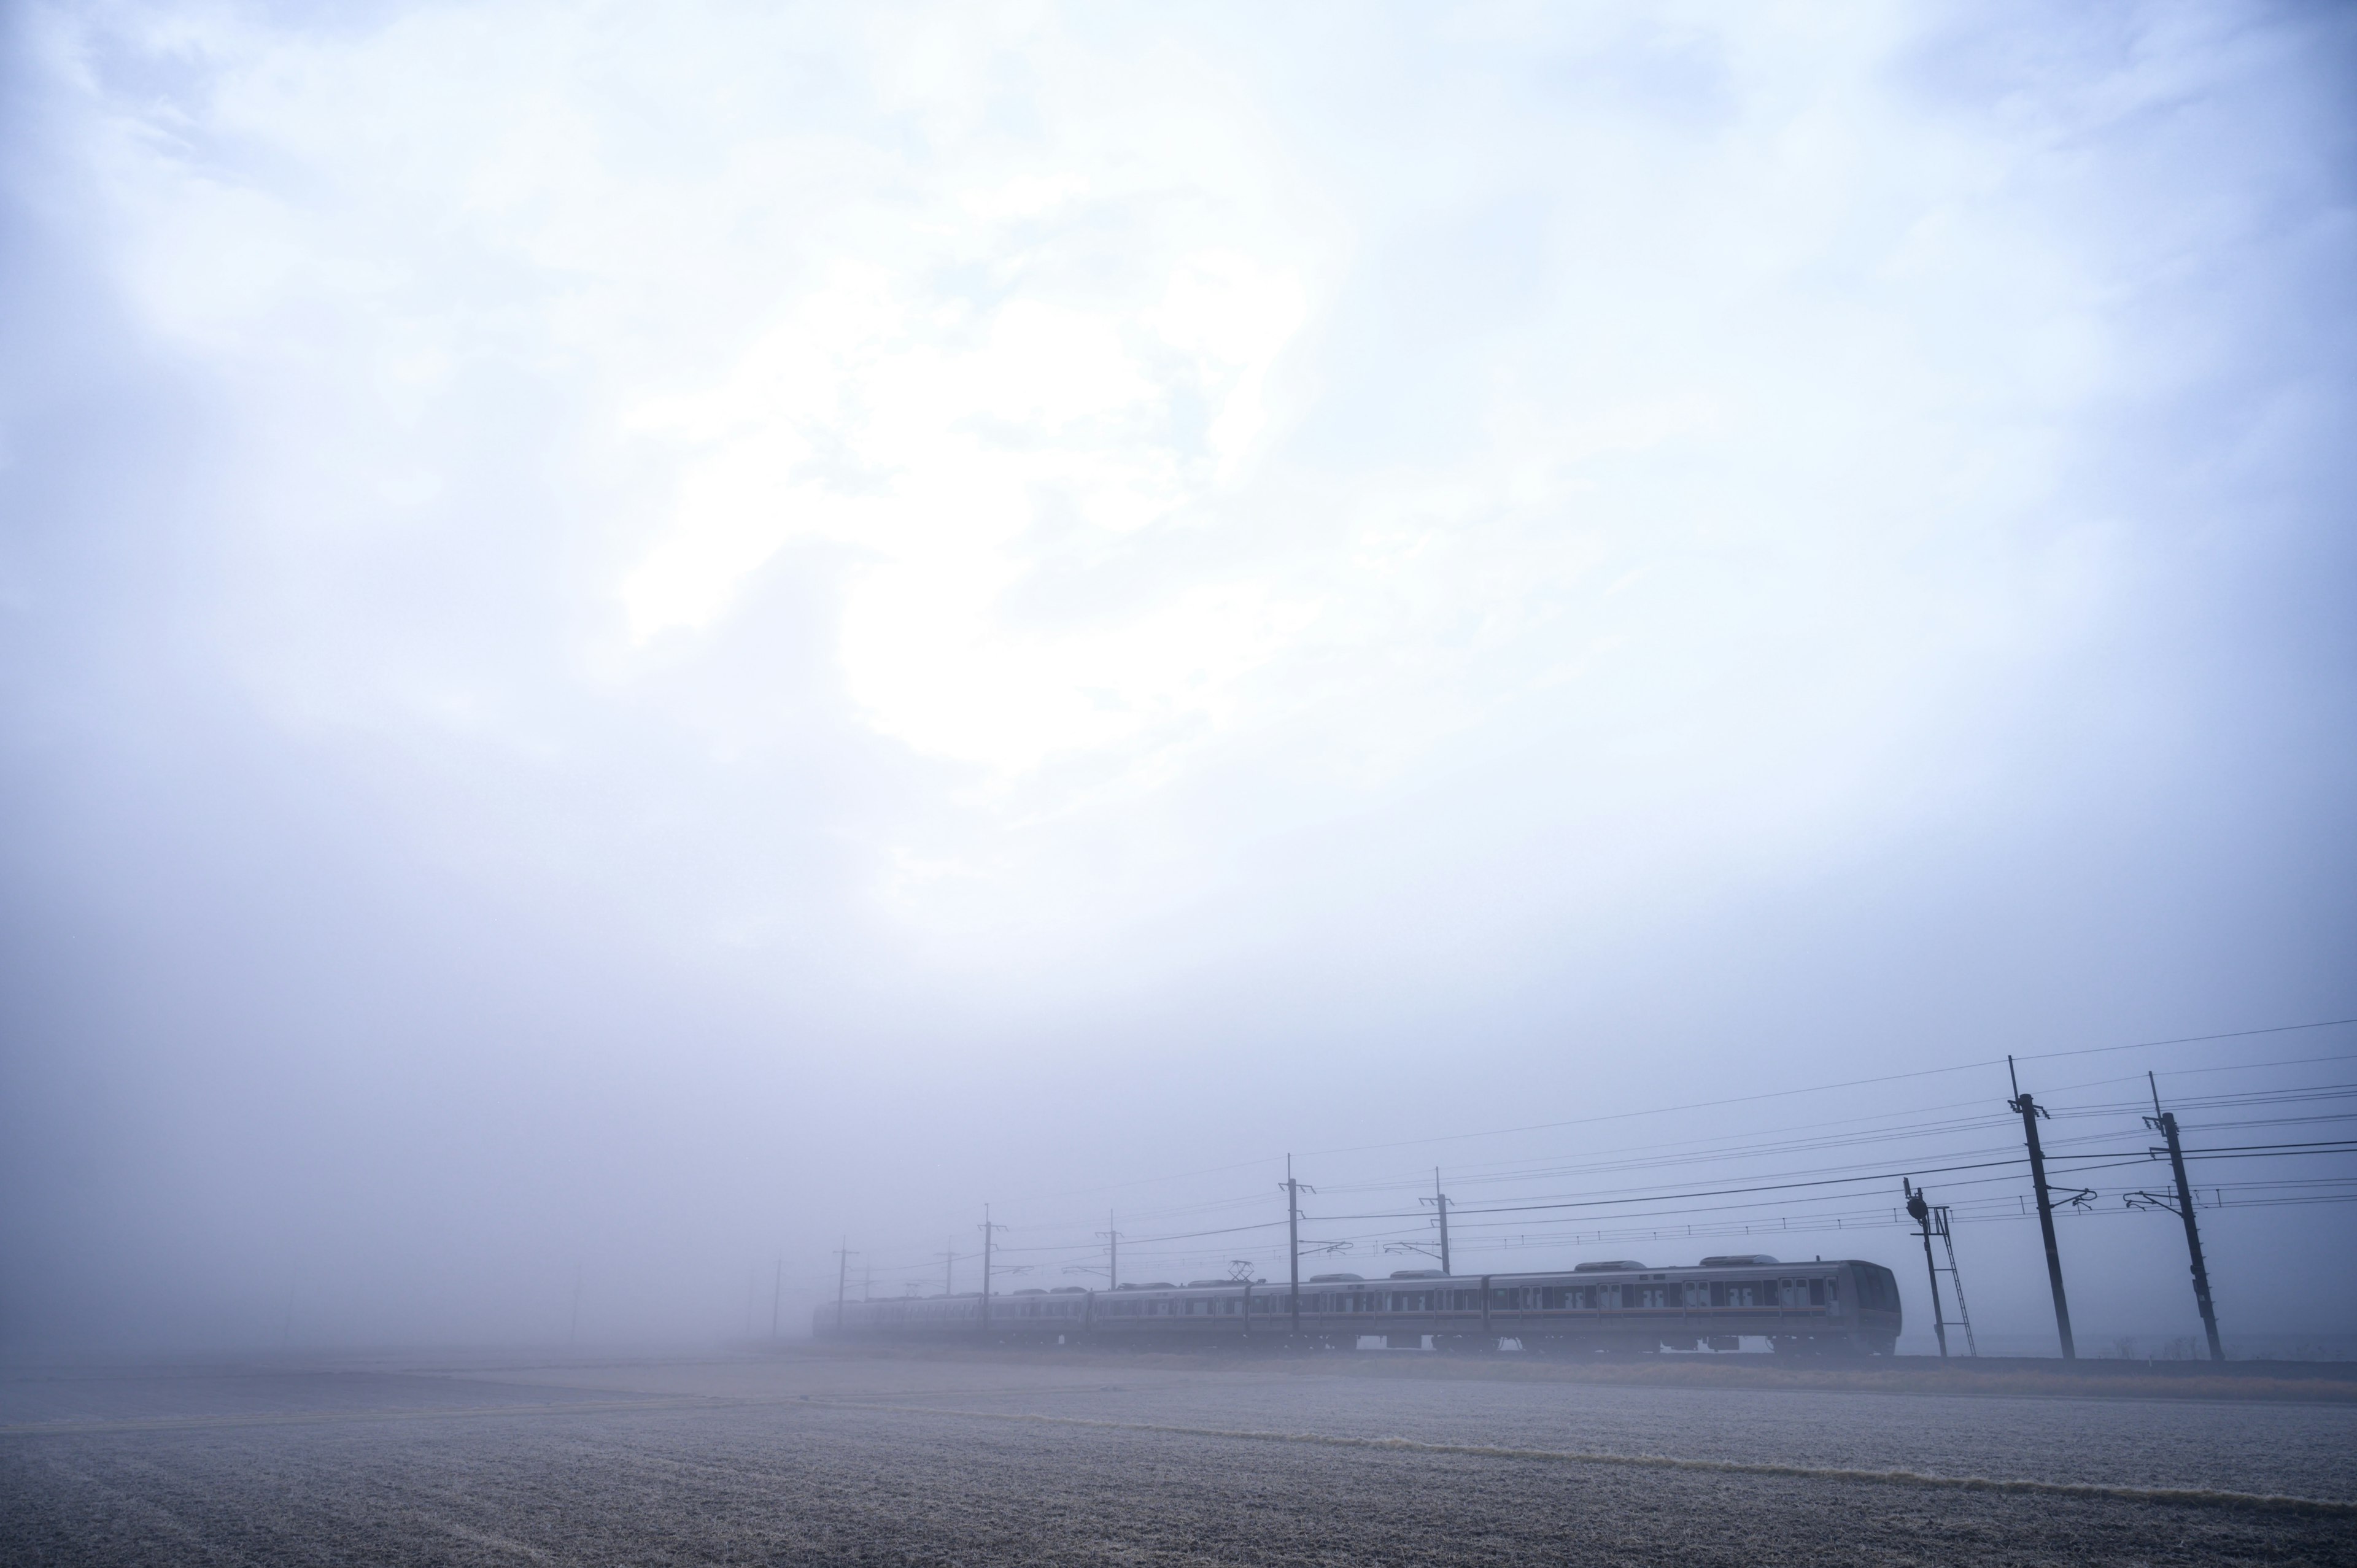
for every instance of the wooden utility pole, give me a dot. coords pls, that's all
(2030, 1111)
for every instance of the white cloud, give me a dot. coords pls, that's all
(1146, 424)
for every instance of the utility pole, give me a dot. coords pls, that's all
(572, 1334)
(1113, 1253)
(1918, 1208)
(949, 1268)
(842, 1280)
(2164, 1124)
(989, 1230)
(1441, 1202)
(1293, 1190)
(2030, 1111)
(777, 1294)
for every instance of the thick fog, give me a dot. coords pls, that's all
(640, 643)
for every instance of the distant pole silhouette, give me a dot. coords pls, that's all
(1113, 1253)
(1440, 1199)
(1293, 1237)
(990, 1228)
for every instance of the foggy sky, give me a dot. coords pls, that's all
(638, 640)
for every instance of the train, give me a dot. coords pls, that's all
(1620, 1307)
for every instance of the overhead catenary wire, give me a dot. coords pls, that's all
(1885, 1128)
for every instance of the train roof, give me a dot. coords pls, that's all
(1622, 1266)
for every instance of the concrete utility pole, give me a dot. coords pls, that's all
(1441, 1200)
(2030, 1112)
(989, 1230)
(842, 1280)
(2165, 1123)
(777, 1295)
(1918, 1208)
(1293, 1237)
(949, 1268)
(1113, 1253)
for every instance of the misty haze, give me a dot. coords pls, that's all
(1032, 783)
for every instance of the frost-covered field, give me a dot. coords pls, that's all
(807, 1458)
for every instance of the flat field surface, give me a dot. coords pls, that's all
(1001, 1457)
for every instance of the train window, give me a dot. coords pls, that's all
(1816, 1293)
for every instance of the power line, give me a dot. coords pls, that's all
(1827, 1087)
(1728, 1148)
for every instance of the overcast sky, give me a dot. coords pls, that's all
(637, 638)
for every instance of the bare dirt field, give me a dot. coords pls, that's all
(1001, 1457)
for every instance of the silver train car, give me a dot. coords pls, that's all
(1844, 1307)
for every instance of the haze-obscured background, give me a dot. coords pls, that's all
(639, 639)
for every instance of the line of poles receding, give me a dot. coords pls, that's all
(1932, 1222)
